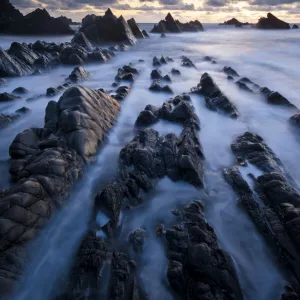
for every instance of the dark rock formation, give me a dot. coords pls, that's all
(163, 35)
(6, 97)
(137, 239)
(271, 22)
(135, 29)
(157, 75)
(20, 91)
(107, 28)
(175, 72)
(198, 268)
(231, 72)
(45, 164)
(275, 97)
(121, 93)
(295, 26)
(158, 62)
(81, 40)
(126, 73)
(78, 74)
(214, 98)
(170, 25)
(243, 86)
(23, 110)
(36, 22)
(186, 62)
(295, 119)
(234, 22)
(145, 33)
(156, 86)
(8, 13)
(6, 120)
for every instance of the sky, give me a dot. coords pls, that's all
(145, 11)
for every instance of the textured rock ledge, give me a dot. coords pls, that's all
(46, 162)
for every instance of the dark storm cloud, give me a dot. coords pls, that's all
(170, 2)
(273, 2)
(216, 3)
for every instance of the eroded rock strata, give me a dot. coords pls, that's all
(46, 162)
(198, 268)
(214, 98)
(274, 204)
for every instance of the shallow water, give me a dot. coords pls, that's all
(269, 58)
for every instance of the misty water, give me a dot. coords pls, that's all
(269, 58)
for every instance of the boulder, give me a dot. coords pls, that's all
(107, 28)
(230, 71)
(271, 22)
(6, 97)
(157, 75)
(126, 73)
(23, 110)
(187, 62)
(275, 97)
(121, 93)
(45, 163)
(135, 29)
(145, 33)
(295, 26)
(156, 86)
(6, 120)
(175, 72)
(78, 74)
(20, 91)
(234, 22)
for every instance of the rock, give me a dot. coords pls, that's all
(243, 86)
(208, 58)
(23, 110)
(146, 118)
(175, 72)
(145, 33)
(37, 22)
(46, 162)
(3, 81)
(186, 62)
(295, 119)
(159, 62)
(163, 35)
(51, 92)
(275, 97)
(6, 97)
(126, 73)
(271, 22)
(295, 26)
(157, 75)
(11, 67)
(121, 93)
(8, 13)
(107, 28)
(214, 98)
(78, 74)
(234, 22)
(20, 91)
(231, 72)
(81, 40)
(137, 239)
(135, 29)
(198, 268)
(157, 87)
(229, 77)
(170, 25)
(6, 120)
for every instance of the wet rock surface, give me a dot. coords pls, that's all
(135, 29)
(214, 98)
(45, 164)
(198, 268)
(158, 87)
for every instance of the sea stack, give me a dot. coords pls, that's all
(272, 22)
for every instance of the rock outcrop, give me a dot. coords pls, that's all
(271, 22)
(234, 22)
(45, 164)
(214, 98)
(295, 26)
(170, 25)
(8, 13)
(36, 22)
(107, 28)
(135, 29)
(276, 212)
(198, 268)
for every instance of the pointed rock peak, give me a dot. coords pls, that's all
(109, 12)
(169, 17)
